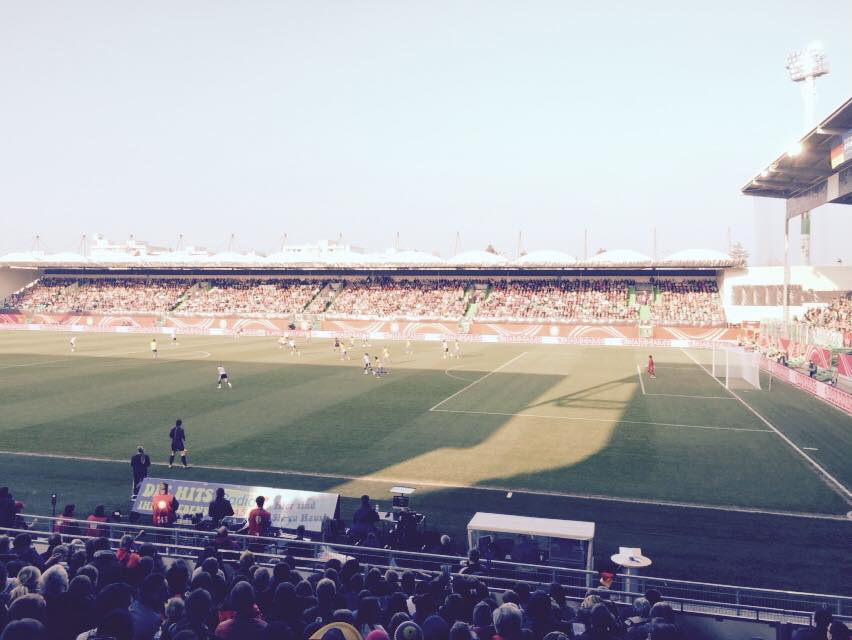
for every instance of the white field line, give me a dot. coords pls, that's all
(678, 395)
(831, 481)
(605, 420)
(448, 374)
(453, 485)
(111, 354)
(480, 379)
(641, 382)
(32, 364)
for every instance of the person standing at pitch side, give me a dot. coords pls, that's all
(178, 436)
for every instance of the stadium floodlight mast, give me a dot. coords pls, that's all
(805, 66)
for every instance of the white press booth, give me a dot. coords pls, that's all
(561, 543)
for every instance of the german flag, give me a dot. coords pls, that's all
(838, 157)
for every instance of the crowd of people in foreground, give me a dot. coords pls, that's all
(581, 300)
(837, 316)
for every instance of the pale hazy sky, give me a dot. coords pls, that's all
(208, 118)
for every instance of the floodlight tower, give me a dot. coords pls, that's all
(804, 67)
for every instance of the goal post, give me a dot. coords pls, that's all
(737, 368)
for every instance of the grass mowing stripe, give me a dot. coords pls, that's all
(835, 484)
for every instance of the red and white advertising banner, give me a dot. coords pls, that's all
(818, 355)
(844, 364)
(821, 390)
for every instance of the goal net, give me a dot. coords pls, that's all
(738, 369)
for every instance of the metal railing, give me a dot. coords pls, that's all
(769, 605)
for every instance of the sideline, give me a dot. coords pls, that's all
(452, 485)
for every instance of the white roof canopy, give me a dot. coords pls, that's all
(523, 525)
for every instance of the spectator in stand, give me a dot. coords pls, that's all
(219, 508)
(837, 316)
(63, 525)
(7, 508)
(388, 298)
(245, 624)
(97, 520)
(819, 631)
(147, 608)
(139, 464)
(22, 547)
(364, 520)
(837, 631)
(259, 519)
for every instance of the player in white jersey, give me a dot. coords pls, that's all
(344, 352)
(292, 345)
(446, 348)
(153, 347)
(73, 343)
(223, 377)
(351, 342)
(282, 341)
(367, 366)
(456, 348)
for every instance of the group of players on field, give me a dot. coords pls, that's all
(377, 366)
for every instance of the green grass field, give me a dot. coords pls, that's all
(699, 478)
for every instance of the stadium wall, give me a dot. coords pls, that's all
(11, 280)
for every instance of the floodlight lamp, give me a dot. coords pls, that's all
(810, 62)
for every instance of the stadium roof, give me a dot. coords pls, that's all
(809, 162)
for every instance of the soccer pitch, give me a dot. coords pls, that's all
(677, 465)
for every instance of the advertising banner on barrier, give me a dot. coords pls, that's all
(819, 355)
(844, 364)
(821, 390)
(289, 508)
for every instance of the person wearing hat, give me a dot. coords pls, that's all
(219, 508)
(336, 631)
(408, 631)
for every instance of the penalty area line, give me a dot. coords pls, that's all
(641, 382)
(832, 482)
(478, 380)
(452, 485)
(605, 420)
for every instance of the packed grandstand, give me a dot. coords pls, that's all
(686, 302)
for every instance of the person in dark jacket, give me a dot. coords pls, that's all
(7, 508)
(139, 465)
(178, 438)
(219, 508)
(22, 546)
